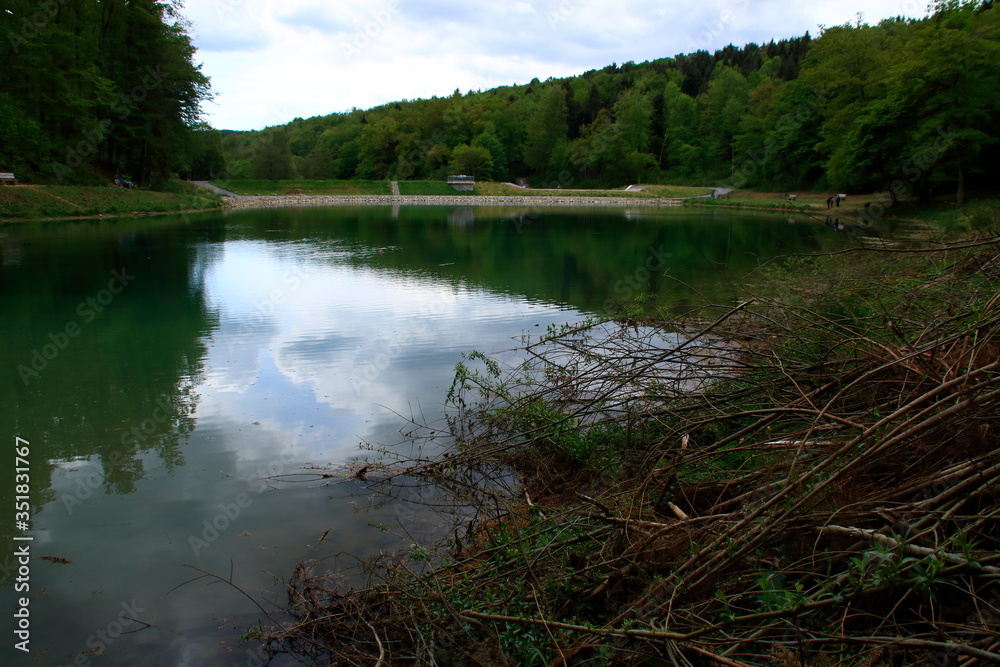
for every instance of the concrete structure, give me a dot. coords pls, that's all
(462, 183)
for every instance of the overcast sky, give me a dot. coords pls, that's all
(273, 60)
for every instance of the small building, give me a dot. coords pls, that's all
(462, 183)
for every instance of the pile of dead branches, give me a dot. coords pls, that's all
(810, 479)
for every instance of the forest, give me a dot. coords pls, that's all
(906, 106)
(95, 90)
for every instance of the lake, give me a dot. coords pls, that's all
(182, 382)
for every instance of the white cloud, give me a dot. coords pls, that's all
(273, 60)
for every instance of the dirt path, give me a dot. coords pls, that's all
(46, 192)
(714, 194)
(205, 185)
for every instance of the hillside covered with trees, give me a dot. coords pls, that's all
(91, 90)
(907, 105)
(95, 90)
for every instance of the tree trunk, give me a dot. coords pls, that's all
(961, 185)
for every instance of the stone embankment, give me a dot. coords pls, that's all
(437, 200)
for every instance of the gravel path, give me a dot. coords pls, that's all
(269, 201)
(337, 199)
(438, 200)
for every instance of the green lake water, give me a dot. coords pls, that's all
(172, 375)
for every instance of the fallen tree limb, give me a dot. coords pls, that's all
(912, 549)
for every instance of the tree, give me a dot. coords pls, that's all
(321, 163)
(378, 144)
(273, 160)
(23, 143)
(914, 113)
(438, 157)
(846, 69)
(592, 105)
(110, 86)
(633, 115)
(680, 136)
(727, 104)
(206, 156)
(348, 159)
(599, 149)
(161, 88)
(640, 165)
(954, 103)
(488, 141)
(472, 160)
(546, 132)
(788, 157)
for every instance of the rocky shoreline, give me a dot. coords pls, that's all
(276, 201)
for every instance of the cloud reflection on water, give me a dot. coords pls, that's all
(321, 346)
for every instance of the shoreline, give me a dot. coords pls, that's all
(243, 202)
(291, 201)
(108, 216)
(852, 214)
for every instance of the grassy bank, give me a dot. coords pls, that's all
(305, 187)
(941, 217)
(665, 191)
(431, 188)
(64, 201)
(677, 191)
(809, 478)
(777, 200)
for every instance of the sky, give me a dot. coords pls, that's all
(271, 61)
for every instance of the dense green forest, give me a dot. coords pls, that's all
(92, 90)
(907, 105)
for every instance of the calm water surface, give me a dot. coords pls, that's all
(174, 375)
